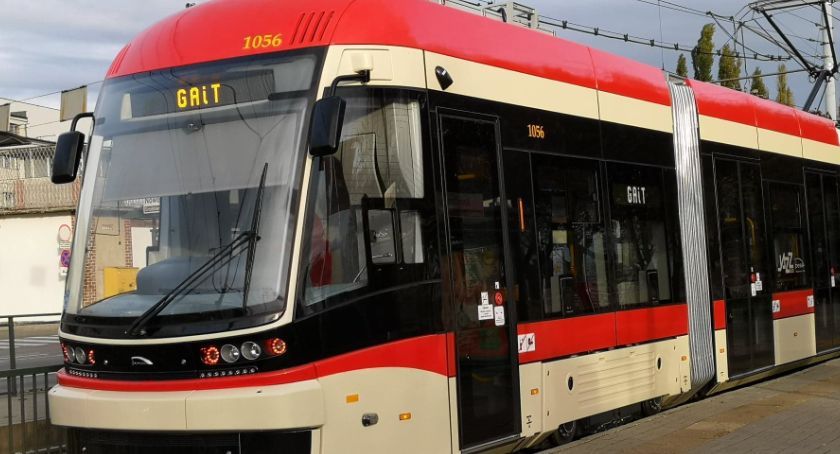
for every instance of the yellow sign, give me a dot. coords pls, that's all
(202, 96)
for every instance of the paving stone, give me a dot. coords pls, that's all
(798, 412)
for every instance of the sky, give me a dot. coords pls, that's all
(51, 45)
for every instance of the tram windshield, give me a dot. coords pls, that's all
(186, 213)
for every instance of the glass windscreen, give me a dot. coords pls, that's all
(187, 208)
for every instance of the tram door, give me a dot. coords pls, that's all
(478, 303)
(746, 271)
(824, 222)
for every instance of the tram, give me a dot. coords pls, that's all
(337, 226)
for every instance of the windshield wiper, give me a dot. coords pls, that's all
(252, 244)
(246, 241)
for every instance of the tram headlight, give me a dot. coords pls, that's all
(251, 350)
(210, 355)
(275, 346)
(68, 353)
(80, 354)
(230, 353)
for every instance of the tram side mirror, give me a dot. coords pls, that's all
(327, 120)
(68, 153)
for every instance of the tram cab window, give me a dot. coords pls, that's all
(570, 236)
(366, 205)
(639, 236)
(788, 236)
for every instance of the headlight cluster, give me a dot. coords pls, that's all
(78, 355)
(212, 355)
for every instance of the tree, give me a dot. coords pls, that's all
(682, 66)
(784, 94)
(729, 69)
(758, 88)
(702, 56)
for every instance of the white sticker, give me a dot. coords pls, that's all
(758, 286)
(811, 299)
(485, 298)
(752, 289)
(527, 342)
(497, 285)
(499, 312)
(485, 312)
(833, 283)
(777, 306)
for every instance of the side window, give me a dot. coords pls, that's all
(523, 235)
(571, 242)
(788, 236)
(639, 236)
(712, 234)
(367, 208)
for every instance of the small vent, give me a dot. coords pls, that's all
(311, 27)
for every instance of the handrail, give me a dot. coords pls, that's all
(30, 371)
(46, 314)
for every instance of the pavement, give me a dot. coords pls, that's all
(796, 413)
(36, 345)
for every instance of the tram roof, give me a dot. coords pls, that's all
(216, 30)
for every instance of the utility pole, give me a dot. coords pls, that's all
(828, 39)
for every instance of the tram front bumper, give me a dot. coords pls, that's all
(287, 406)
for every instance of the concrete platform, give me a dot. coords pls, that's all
(799, 412)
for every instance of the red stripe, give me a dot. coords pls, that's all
(817, 128)
(720, 314)
(425, 353)
(644, 325)
(793, 303)
(568, 336)
(774, 116)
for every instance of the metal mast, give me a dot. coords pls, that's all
(828, 55)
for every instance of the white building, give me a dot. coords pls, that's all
(35, 121)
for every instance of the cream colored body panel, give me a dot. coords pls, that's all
(777, 142)
(729, 132)
(634, 112)
(794, 338)
(612, 379)
(73, 407)
(721, 358)
(386, 392)
(392, 66)
(530, 397)
(819, 151)
(454, 432)
(289, 406)
(502, 85)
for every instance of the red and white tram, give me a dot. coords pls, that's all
(388, 226)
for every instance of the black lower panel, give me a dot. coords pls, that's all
(109, 442)
(824, 319)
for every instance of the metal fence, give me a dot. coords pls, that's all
(25, 184)
(17, 327)
(27, 423)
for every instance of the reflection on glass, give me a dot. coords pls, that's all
(175, 161)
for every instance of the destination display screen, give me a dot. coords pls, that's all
(175, 92)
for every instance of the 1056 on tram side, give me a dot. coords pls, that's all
(336, 226)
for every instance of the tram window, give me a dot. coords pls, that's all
(523, 235)
(367, 200)
(570, 236)
(788, 236)
(713, 238)
(639, 236)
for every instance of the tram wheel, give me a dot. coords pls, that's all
(652, 406)
(565, 433)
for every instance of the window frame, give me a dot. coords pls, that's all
(407, 274)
